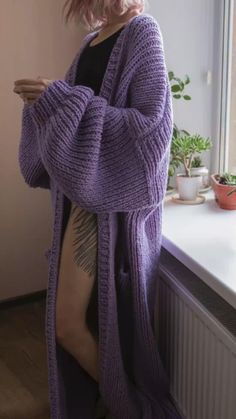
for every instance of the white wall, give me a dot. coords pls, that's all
(191, 33)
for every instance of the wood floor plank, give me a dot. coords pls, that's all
(16, 401)
(23, 364)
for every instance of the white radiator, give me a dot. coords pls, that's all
(198, 352)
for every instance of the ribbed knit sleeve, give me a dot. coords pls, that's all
(30, 163)
(107, 158)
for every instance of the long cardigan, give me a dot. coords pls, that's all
(109, 154)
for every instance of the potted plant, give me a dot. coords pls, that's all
(224, 187)
(174, 162)
(178, 91)
(184, 148)
(199, 168)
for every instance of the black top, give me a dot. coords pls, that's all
(90, 72)
(93, 62)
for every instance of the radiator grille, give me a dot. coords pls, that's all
(199, 353)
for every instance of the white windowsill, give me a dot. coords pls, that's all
(203, 238)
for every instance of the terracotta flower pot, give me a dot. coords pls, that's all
(221, 191)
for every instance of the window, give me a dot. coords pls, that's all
(228, 102)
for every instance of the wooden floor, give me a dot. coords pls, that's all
(23, 364)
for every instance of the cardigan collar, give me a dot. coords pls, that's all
(112, 67)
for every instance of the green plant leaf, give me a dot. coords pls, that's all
(175, 88)
(183, 148)
(228, 178)
(181, 86)
(196, 162)
(186, 97)
(171, 75)
(171, 170)
(187, 79)
(177, 96)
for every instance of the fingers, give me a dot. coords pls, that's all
(28, 81)
(28, 98)
(28, 92)
(29, 95)
(31, 85)
(33, 82)
(28, 88)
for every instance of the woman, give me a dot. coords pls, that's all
(100, 140)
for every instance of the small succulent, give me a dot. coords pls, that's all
(197, 161)
(228, 179)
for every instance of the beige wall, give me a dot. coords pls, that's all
(33, 41)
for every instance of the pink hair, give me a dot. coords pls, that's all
(96, 13)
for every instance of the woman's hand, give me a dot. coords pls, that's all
(30, 89)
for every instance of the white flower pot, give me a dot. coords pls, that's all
(188, 187)
(204, 172)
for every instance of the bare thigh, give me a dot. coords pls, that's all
(73, 297)
(77, 272)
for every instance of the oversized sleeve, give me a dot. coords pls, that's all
(108, 158)
(30, 163)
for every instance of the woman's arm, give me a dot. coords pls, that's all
(106, 158)
(30, 163)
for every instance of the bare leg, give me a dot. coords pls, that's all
(75, 283)
(82, 345)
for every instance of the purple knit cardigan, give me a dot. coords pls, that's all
(109, 154)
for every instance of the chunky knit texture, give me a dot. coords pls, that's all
(109, 154)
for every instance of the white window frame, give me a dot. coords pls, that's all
(225, 99)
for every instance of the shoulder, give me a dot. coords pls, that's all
(144, 21)
(144, 42)
(144, 27)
